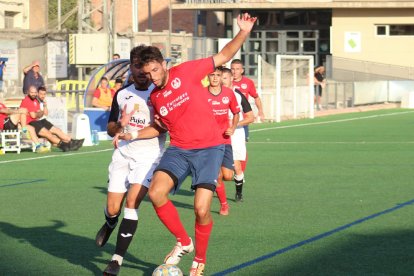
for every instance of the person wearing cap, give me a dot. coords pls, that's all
(32, 76)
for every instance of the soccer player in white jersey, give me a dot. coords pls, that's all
(133, 162)
(238, 139)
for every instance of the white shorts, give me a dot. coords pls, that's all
(238, 143)
(124, 171)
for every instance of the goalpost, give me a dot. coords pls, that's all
(286, 87)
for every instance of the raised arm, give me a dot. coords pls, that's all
(27, 68)
(246, 23)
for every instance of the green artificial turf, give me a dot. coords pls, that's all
(327, 196)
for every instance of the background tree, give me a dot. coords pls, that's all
(69, 15)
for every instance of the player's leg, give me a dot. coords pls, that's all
(117, 187)
(59, 133)
(140, 172)
(111, 213)
(43, 130)
(206, 163)
(127, 227)
(238, 180)
(221, 190)
(171, 171)
(226, 174)
(239, 154)
(74, 144)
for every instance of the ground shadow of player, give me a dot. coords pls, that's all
(77, 250)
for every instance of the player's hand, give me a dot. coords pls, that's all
(125, 136)
(158, 121)
(229, 131)
(115, 141)
(246, 22)
(260, 117)
(125, 117)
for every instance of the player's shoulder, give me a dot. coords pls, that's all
(227, 90)
(247, 79)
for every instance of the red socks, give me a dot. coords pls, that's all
(202, 236)
(221, 192)
(168, 215)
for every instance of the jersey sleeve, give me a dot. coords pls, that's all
(246, 107)
(234, 107)
(114, 115)
(252, 90)
(198, 69)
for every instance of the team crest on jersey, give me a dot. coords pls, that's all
(243, 86)
(225, 100)
(163, 111)
(136, 107)
(176, 83)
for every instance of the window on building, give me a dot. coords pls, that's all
(381, 30)
(9, 19)
(395, 30)
(401, 29)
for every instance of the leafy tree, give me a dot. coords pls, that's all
(71, 24)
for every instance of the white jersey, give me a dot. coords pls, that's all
(238, 139)
(143, 116)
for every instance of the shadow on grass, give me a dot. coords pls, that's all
(384, 254)
(76, 250)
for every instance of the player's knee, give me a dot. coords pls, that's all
(201, 212)
(113, 209)
(157, 193)
(227, 175)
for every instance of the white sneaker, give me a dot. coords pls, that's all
(197, 269)
(178, 251)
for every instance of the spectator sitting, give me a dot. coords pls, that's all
(118, 85)
(103, 95)
(43, 127)
(32, 76)
(10, 120)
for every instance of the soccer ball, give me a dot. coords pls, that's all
(167, 270)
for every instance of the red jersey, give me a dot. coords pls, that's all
(221, 104)
(31, 106)
(2, 116)
(182, 106)
(246, 86)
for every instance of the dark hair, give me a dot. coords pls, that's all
(226, 70)
(146, 54)
(219, 68)
(118, 80)
(236, 61)
(104, 78)
(41, 88)
(116, 55)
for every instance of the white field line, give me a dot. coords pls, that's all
(332, 122)
(333, 143)
(256, 130)
(53, 156)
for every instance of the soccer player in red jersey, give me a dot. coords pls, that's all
(196, 143)
(223, 100)
(247, 87)
(238, 139)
